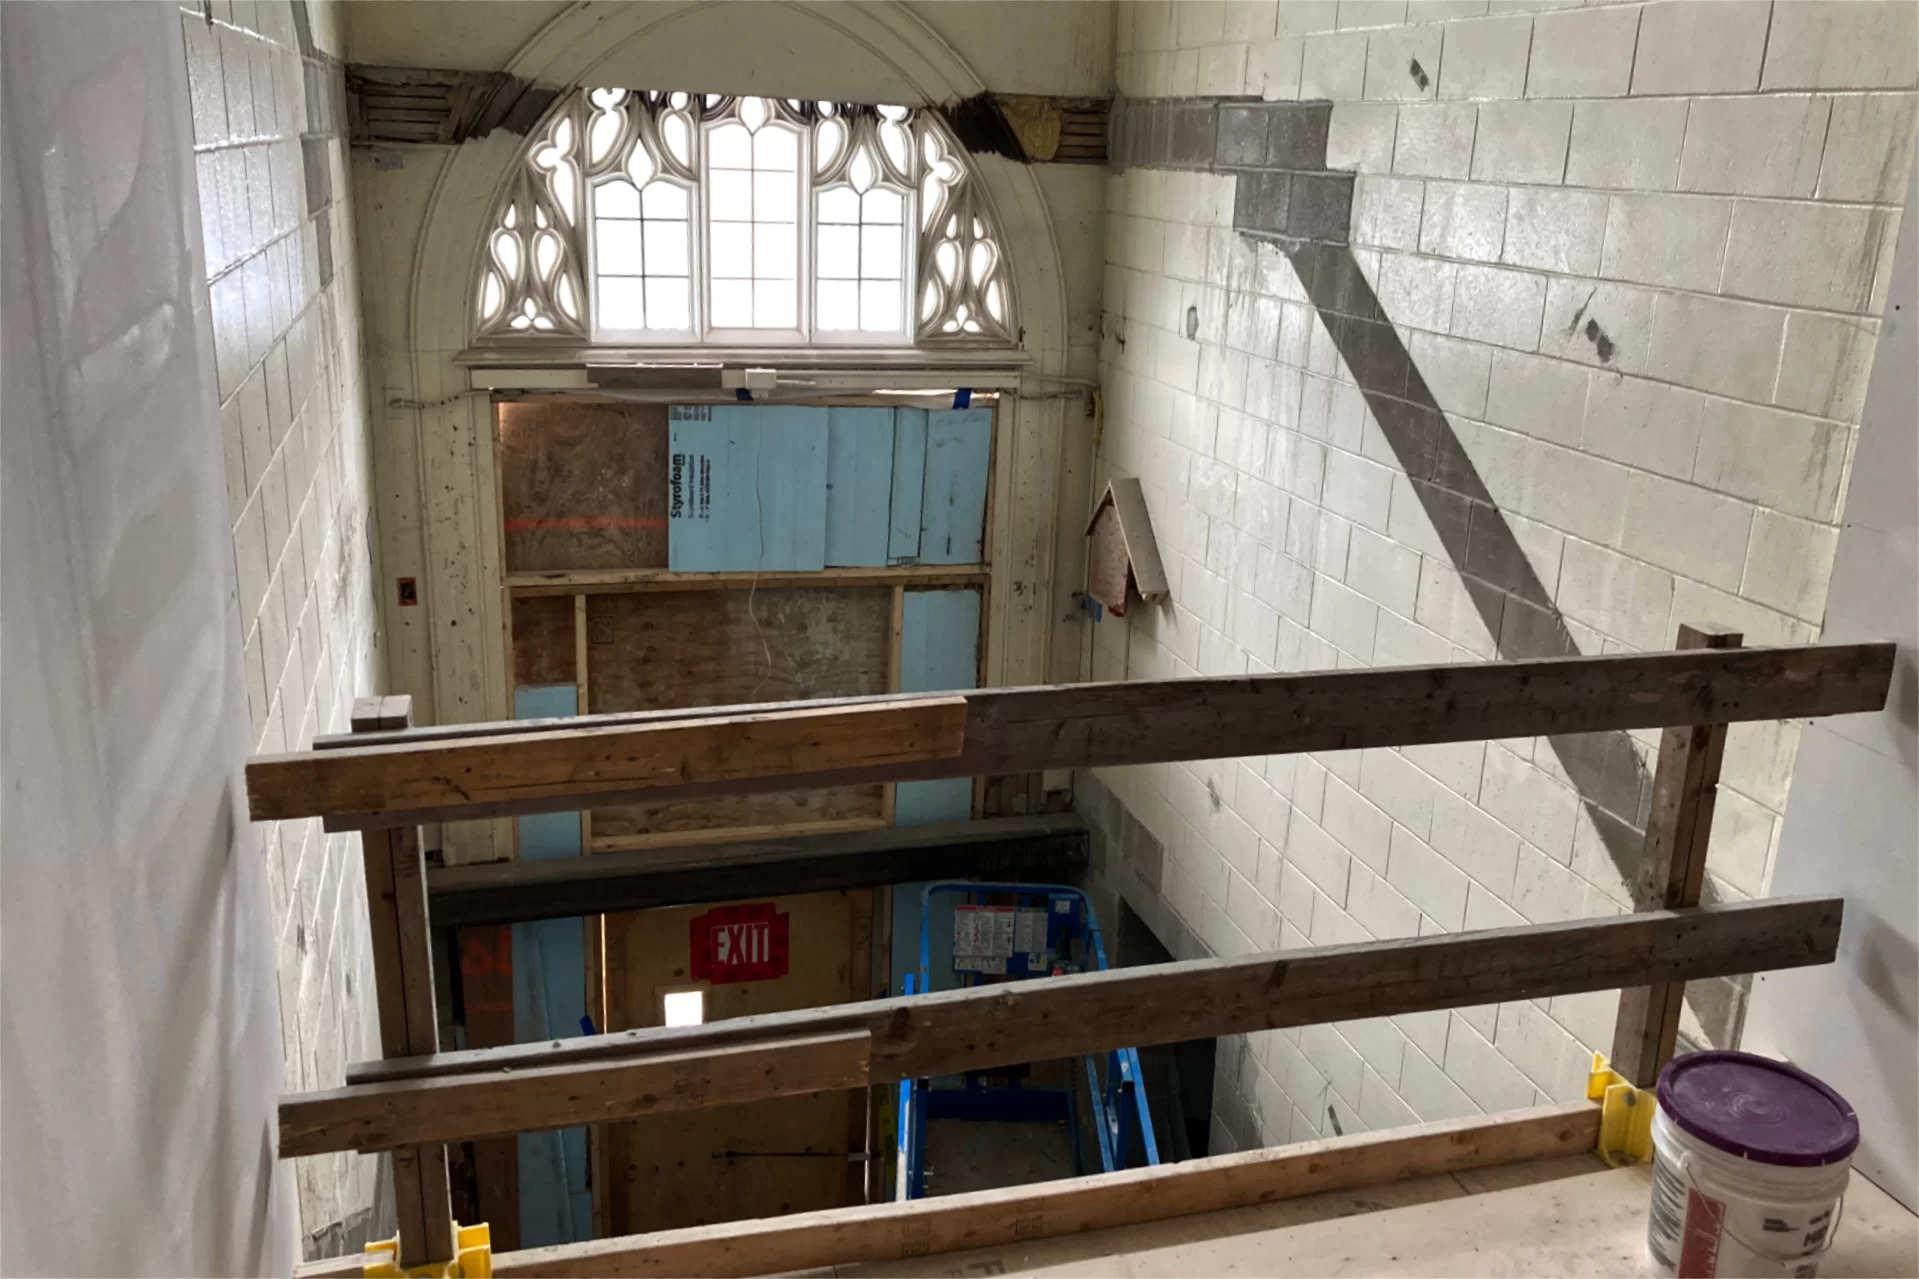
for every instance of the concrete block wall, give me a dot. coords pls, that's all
(269, 132)
(1588, 364)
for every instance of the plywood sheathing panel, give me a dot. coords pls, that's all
(583, 485)
(674, 651)
(543, 640)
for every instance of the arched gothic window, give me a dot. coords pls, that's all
(678, 218)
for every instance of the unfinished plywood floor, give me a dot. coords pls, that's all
(1569, 1216)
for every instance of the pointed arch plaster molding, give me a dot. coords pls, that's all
(435, 461)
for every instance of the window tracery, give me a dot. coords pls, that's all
(669, 217)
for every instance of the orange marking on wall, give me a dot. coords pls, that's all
(582, 523)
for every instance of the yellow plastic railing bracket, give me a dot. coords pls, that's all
(472, 1258)
(1625, 1115)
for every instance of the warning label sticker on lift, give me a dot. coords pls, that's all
(985, 937)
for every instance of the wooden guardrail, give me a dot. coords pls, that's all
(386, 778)
(1014, 1215)
(558, 1083)
(496, 770)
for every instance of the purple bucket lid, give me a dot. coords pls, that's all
(1758, 1109)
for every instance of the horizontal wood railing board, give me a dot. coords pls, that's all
(948, 1032)
(409, 1111)
(1147, 721)
(600, 760)
(624, 581)
(510, 892)
(1014, 1214)
(1863, 672)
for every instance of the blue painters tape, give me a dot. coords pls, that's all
(963, 398)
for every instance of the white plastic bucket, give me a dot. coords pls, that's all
(1736, 1191)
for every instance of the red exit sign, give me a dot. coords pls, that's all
(739, 943)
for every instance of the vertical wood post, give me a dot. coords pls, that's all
(403, 985)
(584, 707)
(859, 983)
(1673, 870)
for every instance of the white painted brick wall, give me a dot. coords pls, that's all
(292, 403)
(1637, 253)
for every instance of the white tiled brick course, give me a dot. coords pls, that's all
(292, 408)
(1690, 530)
(1522, 142)
(1858, 163)
(1390, 58)
(1483, 1073)
(1380, 909)
(1824, 256)
(1361, 136)
(1617, 595)
(1300, 17)
(1435, 140)
(1431, 1093)
(1633, 252)
(1554, 230)
(1334, 67)
(1580, 310)
(1541, 397)
(1648, 425)
(1755, 145)
(1679, 241)
(1583, 54)
(1788, 561)
(1505, 308)
(1463, 220)
(1777, 459)
(1628, 145)
(1273, 68)
(1687, 47)
(1486, 58)
(1842, 44)
(1713, 344)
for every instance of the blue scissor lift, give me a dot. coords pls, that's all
(1022, 932)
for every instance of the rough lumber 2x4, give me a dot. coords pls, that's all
(511, 892)
(1025, 730)
(403, 989)
(645, 580)
(948, 1032)
(1672, 872)
(892, 1231)
(594, 762)
(390, 1115)
(985, 1218)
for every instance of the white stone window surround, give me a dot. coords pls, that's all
(569, 261)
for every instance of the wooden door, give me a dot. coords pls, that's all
(762, 1159)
